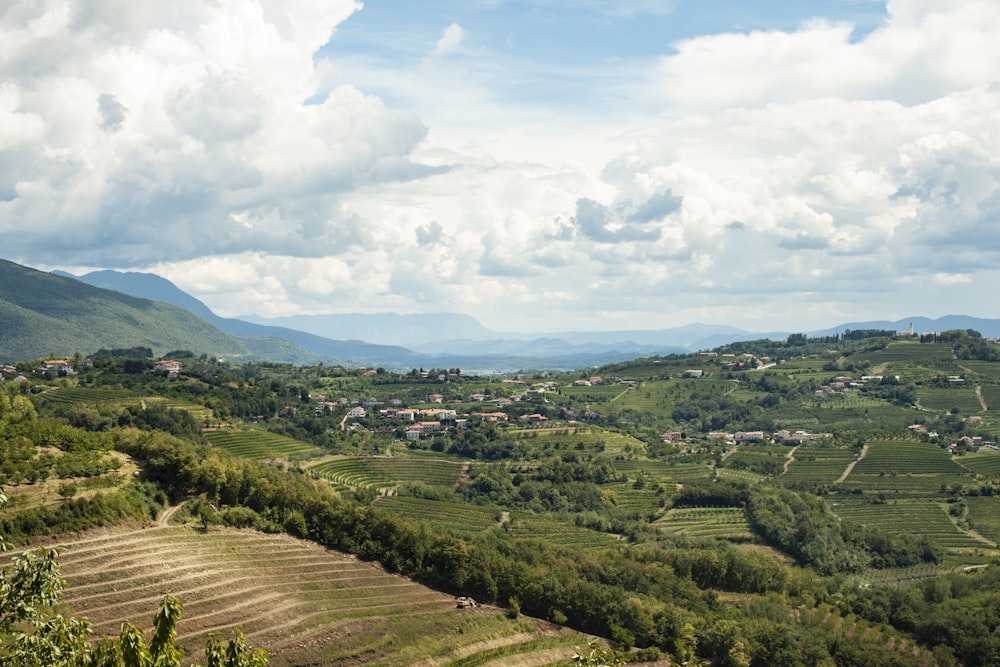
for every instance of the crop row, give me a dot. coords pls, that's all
(527, 525)
(380, 472)
(963, 399)
(717, 522)
(822, 465)
(303, 603)
(985, 463)
(257, 444)
(984, 515)
(904, 457)
(88, 395)
(461, 517)
(916, 518)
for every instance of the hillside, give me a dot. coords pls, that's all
(43, 314)
(799, 502)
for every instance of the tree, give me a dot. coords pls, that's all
(595, 654)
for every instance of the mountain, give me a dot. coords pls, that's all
(402, 341)
(412, 331)
(266, 342)
(987, 327)
(42, 314)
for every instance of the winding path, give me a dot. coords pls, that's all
(789, 458)
(850, 466)
(982, 401)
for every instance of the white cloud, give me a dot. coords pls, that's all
(450, 40)
(774, 176)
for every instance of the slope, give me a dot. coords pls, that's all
(43, 314)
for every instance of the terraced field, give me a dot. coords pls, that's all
(109, 397)
(984, 515)
(261, 445)
(905, 468)
(457, 517)
(382, 472)
(727, 523)
(528, 525)
(985, 463)
(815, 464)
(916, 517)
(963, 398)
(991, 394)
(305, 604)
(77, 396)
(766, 460)
(664, 472)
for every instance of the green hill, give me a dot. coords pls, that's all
(43, 314)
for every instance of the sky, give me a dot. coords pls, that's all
(541, 165)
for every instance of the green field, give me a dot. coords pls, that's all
(914, 517)
(962, 398)
(985, 463)
(527, 525)
(664, 472)
(817, 464)
(380, 472)
(905, 468)
(458, 517)
(257, 444)
(728, 523)
(984, 515)
(585, 439)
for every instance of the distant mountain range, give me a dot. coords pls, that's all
(59, 313)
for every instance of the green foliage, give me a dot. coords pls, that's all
(595, 654)
(42, 313)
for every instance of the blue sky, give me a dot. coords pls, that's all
(542, 165)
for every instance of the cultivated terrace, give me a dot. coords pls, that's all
(810, 501)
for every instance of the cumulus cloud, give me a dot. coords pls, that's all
(788, 173)
(135, 125)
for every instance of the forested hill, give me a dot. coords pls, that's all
(43, 314)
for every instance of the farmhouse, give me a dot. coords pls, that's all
(693, 373)
(169, 366)
(534, 418)
(58, 366)
(490, 416)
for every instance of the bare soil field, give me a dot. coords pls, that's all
(305, 604)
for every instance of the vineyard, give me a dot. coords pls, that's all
(379, 473)
(527, 525)
(905, 468)
(986, 463)
(815, 464)
(728, 523)
(261, 445)
(916, 517)
(462, 518)
(984, 516)
(961, 399)
(303, 603)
